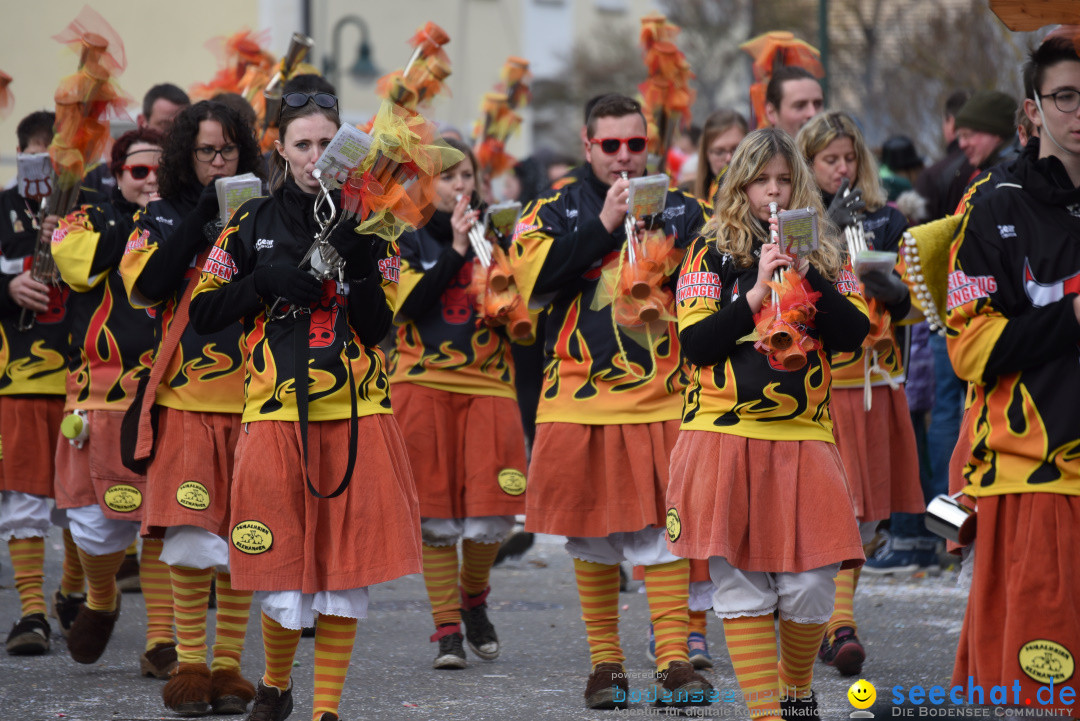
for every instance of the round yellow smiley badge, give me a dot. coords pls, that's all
(862, 695)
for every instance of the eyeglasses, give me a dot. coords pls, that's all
(140, 172)
(206, 154)
(610, 146)
(1067, 100)
(299, 100)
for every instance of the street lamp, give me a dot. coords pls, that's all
(364, 69)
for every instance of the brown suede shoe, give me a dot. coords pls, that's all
(230, 692)
(188, 691)
(681, 685)
(159, 661)
(90, 633)
(605, 683)
(271, 703)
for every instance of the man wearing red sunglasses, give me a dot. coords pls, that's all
(609, 407)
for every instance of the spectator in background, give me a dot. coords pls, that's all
(985, 131)
(900, 165)
(933, 184)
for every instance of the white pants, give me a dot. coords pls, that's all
(647, 547)
(194, 547)
(481, 529)
(867, 531)
(293, 609)
(805, 597)
(23, 515)
(97, 534)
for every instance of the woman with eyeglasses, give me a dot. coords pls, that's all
(876, 445)
(323, 503)
(453, 380)
(108, 341)
(723, 132)
(189, 404)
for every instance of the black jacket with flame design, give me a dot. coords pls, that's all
(345, 326)
(439, 342)
(206, 373)
(558, 253)
(1013, 332)
(111, 341)
(33, 361)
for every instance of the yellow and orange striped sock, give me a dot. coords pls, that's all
(697, 622)
(191, 593)
(844, 605)
(101, 579)
(799, 644)
(73, 579)
(598, 589)
(441, 580)
(334, 637)
(233, 610)
(476, 561)
(156, 586)
(751, 644)
(28, 565)
(667, 588)
(279, 648)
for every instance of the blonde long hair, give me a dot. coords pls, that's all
(821, 130)
(733, 226)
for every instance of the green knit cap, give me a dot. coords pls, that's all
(989, 111)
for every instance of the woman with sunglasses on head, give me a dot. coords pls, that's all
(323, 502)
(454, 397)
(876, 445)
(723, 132)
(192, 397)
(108, 341)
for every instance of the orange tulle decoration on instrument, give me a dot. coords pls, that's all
(424, 76)
(782, 322)
(666, 93)
(635, 288)
(773, 50)
(392, 190)
(243, 62)
(496, 296)
(7, 100)
(86, 100)
(499, 118)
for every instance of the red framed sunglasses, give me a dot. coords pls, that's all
(139, 172)
(610, 146)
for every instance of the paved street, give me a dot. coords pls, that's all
(909, 627)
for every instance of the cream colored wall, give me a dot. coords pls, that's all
(164, 42)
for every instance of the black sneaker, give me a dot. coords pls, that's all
(846, 654)
(799, 709)
(271, 703)
(66, 608)
(451, 647)
(127, 576)
(478, 629)
(30, 636)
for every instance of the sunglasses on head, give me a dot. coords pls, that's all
(299, 100)
(139, 172)
(610, 146)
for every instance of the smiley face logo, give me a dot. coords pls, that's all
(862, 694)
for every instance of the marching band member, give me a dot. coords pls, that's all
(1013, 318)
(877, 444)
(109, 340)
(453, 383)
(196, 387)
(605, 427)
(31, 404)
(310, 501)
(757, 485)
(723, 132)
